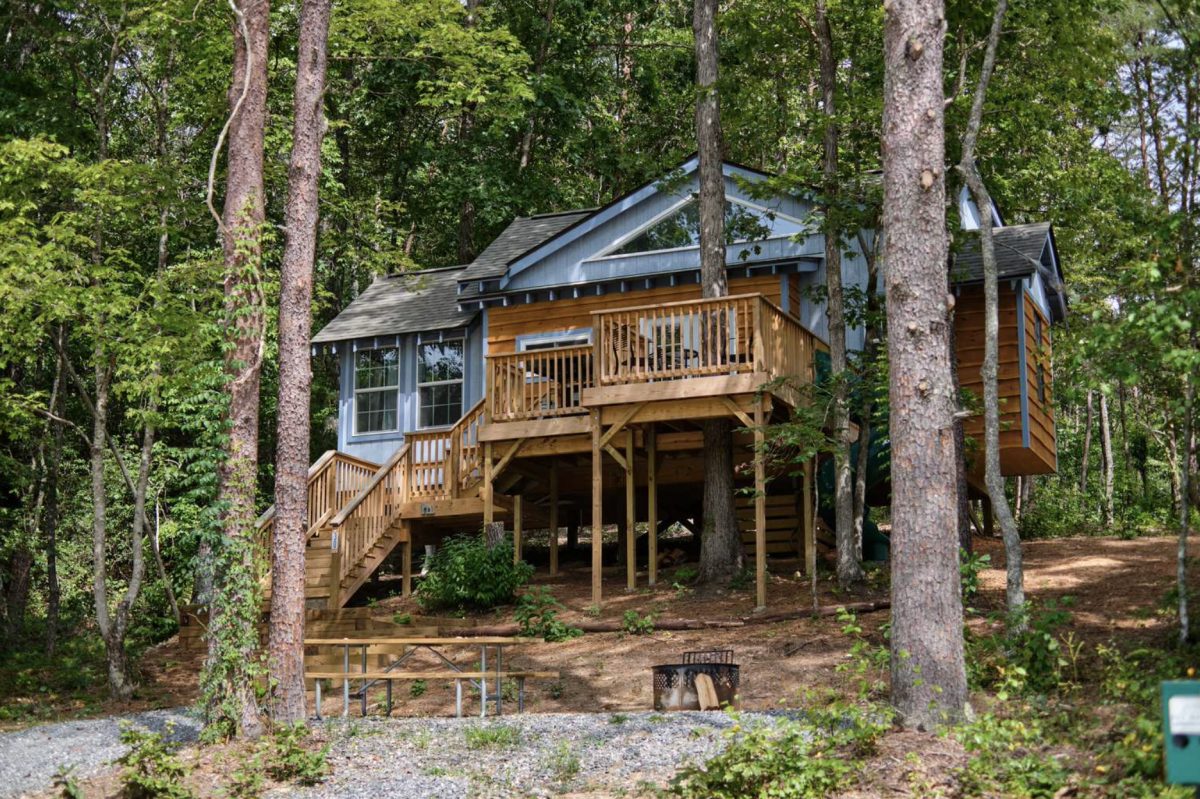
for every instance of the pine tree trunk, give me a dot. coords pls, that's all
(1087, 449)
(849, 568)
(929, 685)
(720, 540)
(242, 222)
(295, 375)
(1181, 584)
(1106, 449)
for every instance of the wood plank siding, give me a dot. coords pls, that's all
(1027, 443)
(505, 325)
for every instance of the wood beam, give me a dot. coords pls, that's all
(513, 449)
(652, 501)
(616, 455)
(485, 489)
(622, 420)
(742, 415)
(630, 517)
(553, 518)
(597, 510)
(760, 511)
(518, 506)
(406, 563)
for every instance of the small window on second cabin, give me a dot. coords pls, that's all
(556, 342)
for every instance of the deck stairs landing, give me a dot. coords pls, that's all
(358, 510)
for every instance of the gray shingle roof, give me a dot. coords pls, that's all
(1018, 251)
(408, 303)
(522, 235)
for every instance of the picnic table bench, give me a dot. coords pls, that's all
(477, 678)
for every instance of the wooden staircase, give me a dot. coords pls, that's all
(358, 511)
(785, 536)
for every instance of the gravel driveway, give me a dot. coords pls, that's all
(29, 758)
(544, 754)
(531, 755)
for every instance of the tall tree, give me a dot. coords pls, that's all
(993, 479)
(849, 568)
(929, 684)
(286, 655)
(720, 540)
(1106, 449)
(234, 608)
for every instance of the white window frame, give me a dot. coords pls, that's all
(461, 381)
(554, 341)
(354, 387)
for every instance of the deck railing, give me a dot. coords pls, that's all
(539, 384)
(467, 469)
(333, 480)
(367, 517)
(694, 338)
(789, 348)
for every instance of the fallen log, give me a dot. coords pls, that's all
(616, 626)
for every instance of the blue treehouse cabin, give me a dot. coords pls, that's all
(558, 381)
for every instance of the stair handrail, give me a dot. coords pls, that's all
(348, 510)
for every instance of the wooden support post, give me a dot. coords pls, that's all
(989, 518)
(485, 490)
(630, 517)
(517, 502)
(453, 461)
(597, 509)
(335, 571)
(810, 523)
(760, 510)
(652, 501)
(553, 517)
(406, 565)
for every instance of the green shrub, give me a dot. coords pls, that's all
(638, 625)
(152, 769)
(537, 613)
(969, 567)
(565, 762)
(465, 572)
(1037, 659)
(790, 760)
(418, 688)
(289, 760)
(494, 736)
(65, 783)
(1006, 759)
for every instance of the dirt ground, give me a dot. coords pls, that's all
(1116, 586)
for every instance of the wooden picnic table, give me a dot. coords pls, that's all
(478, 678)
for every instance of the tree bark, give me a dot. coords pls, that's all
(849, 568)
(242, 221)
(50, 514)
(1106, 449)
(993, 479)
(721, 555)
(929, 685)
(1087, 449)
(295, 375)
(1181, 585)
(867, 409)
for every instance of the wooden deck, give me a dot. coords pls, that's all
(632, 400)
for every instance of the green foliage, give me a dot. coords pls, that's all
(65, 783)
(1007, 757)
(492, 736)
(465, 572)
(867, 663)
(417, 688)
(289, 760)
(151, 767)
(1037, 658)
(564, 762)
(537, 613)
(808, 759)
(633, 624)
(401, 618)
(684, 576)
(969, 567)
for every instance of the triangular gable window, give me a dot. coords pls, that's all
(682, 229)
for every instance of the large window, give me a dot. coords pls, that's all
(376, 390)
(682, 229)
(439, 383)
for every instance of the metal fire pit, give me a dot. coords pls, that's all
(675, 683)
